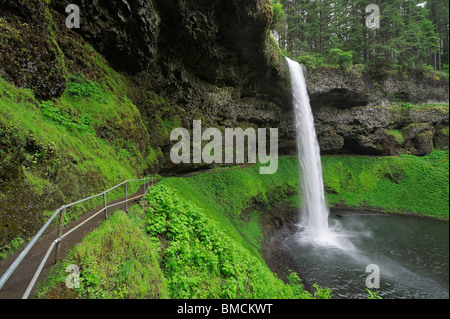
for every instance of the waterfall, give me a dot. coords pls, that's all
(315, 211)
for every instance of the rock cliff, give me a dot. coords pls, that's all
(361, 113)
(216, 60)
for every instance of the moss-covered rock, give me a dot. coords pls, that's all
(382, 130)
(29, 53)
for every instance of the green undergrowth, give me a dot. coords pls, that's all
(404, 184)
(207, 239)
(227, 193)
(200, 258)
(115, 261)
(205, 231)
(69, 125)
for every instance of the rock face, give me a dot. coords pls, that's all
(353, 87)
(28, 55)
(125, 32)
(381, 130)
(356, 113)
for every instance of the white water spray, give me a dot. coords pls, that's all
(315, 211)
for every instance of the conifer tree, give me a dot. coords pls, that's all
(412, 33)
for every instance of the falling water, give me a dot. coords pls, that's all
(315, 211)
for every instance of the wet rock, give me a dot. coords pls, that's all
(125, 32)
(348, 88)
(441, 139)
(331, 142)
(29, 56)
(423, 143)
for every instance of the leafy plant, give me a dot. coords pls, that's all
(11, 247)
(65, 118)
(78, 87)
(116, 261)
(372, 294)
(200, 259)
(338, 57)
(311, 61)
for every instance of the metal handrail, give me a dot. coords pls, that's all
(12, 268)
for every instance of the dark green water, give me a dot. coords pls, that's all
(411, 253)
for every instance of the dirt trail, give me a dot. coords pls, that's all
(19, 280)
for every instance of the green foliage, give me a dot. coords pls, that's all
(408, 37)
(405, 106)
(312, 61)
(203, 248)
(207, 243)
(405, 184)
(200, 259)
(78, 86)
(236, 189)
(273, 53)
(116, 261)
(397, 135)
(11, 247)
(335, 58)
(372, 294)
(278, 14)
(343, 59)
(65, 118)
(445, 69)
(66, 149)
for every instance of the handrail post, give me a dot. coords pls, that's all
(60, 230)
(104, 203)
(126, 197)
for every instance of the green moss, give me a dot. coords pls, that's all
(405, 184)
(226, 193)
(396, 106)
(397, 135)
(60, 58)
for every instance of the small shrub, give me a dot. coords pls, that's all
(79, 87)
(343, 59)
(66, 117)
(11, 247)
(312, 61)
